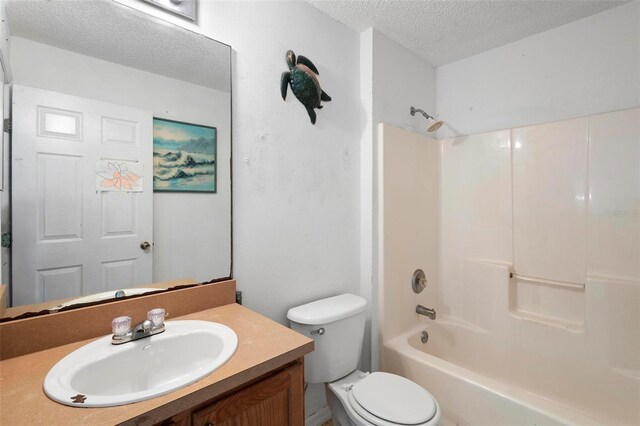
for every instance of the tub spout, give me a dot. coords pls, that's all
(431, 313)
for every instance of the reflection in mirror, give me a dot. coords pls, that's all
(86, 80)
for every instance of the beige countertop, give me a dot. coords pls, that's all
(263, 345)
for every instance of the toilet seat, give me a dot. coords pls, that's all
(385, 399)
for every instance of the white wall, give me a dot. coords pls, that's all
(401, 80)
(585, 67)
(368, 130)
(181, 250)
(295, 185)
(398, 80)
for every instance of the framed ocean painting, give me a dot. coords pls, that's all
(184, 156)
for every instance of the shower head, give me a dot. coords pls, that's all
(435, 126)
(433, 123)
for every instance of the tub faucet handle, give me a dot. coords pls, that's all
(418, 281)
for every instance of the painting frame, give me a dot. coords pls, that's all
(185, 157)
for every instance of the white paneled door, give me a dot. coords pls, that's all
(69, 237)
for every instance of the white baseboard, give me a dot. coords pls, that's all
(319, 417)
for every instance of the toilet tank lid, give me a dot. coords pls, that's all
(327, 310)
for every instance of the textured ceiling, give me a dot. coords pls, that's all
(107, 30)
(444, 31)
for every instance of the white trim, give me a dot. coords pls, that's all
(318, 418)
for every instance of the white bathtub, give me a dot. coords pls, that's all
(468, 392)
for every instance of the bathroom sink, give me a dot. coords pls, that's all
(100, 374)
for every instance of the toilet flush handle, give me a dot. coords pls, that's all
(319, 331)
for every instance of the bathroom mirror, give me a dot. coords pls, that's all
(120, 154)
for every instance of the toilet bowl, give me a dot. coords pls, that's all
(381, 399)
(336, 325)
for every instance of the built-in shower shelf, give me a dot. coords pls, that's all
(553, 303)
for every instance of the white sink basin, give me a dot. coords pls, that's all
(101, 374)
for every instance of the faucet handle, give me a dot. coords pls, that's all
(156, 316)
(121, 325)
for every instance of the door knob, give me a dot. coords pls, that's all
(145, 245)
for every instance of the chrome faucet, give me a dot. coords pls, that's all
(431, 313)
(122, 332)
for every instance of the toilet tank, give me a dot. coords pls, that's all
(336, 325)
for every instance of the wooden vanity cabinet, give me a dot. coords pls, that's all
(276, 399)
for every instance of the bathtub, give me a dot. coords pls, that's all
(469, 390)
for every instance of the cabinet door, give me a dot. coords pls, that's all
(275, 401)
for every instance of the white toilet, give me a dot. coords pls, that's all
(355, 398)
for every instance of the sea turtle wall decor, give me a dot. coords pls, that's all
(302, 76)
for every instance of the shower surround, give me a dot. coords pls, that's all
(530, 240)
